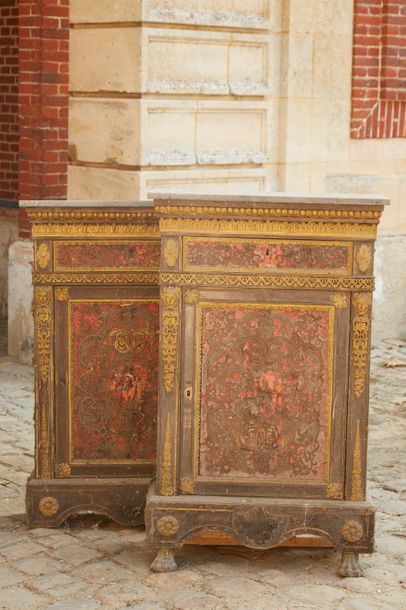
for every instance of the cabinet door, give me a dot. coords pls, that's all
(264, 393)
(106, 380)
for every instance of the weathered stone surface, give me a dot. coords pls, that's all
(359, 585)
(20, 598)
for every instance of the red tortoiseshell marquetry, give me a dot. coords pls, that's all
(268, 255)
(266, 387)
(107, 255)
(113, 372)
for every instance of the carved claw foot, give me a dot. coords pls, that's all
(349, 565)
(164, 561)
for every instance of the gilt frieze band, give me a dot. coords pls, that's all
(267, 281)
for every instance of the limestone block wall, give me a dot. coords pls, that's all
(317, 152)
(173, 94)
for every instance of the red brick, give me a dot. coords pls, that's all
(44, 68)
(378, 87)
(8, 94)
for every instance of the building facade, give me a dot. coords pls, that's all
(121, 97)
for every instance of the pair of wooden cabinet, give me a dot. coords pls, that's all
(262, 325)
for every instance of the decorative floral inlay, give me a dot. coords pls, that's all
(49, 506)
(167, 526)
(42, 256)
(187, 486)
(352, 531)
(191, 296)
(62, 293)
(63, 471)
(363, 258)
(340, 300)
(335, 491)
(171, 252)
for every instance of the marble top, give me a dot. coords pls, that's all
(69, 203)
(274, 198)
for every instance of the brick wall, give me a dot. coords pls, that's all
(9, 100)
(379, 69)
(44, 96)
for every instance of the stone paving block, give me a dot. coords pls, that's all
(359, 603)
(36, 565)
(237, 587)
(102, 572)
(50, 538)
(125, 593)
(50, 581)
(146, 606)
(75, 604)
(7, 538)
(76, 554)
(314, 593)
(20, 598)
(358, 585)
(137, 560)
(8, 576)
(59, 585)
(19, 551)
(185, 600)
(176, 580)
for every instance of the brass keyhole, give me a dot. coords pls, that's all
(188, 393)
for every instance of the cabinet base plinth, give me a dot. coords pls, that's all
(49, 502)
(260, 523)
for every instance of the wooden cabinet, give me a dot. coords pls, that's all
(96, 311)
(264, 362)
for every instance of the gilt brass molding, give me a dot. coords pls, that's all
(44, 471)
(69, 215)
(94, 230)
(356, 481)
(269, 227)
(167, 487)
(260, 212)
(43, 329)
(170, 319)
(96, 278)
(267, 281)
(360, 335)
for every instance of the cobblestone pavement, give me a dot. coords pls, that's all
(95, 564)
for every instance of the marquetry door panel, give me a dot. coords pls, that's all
(264, 375)
(106, 347)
